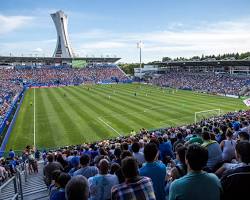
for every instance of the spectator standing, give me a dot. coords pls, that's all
(86, 170)
(228, 147)
(139, 156)
(236, 182)
(100, 185)
(193, 185)
(154, 169)
(77, 188)
(49, 168)
(61, 181)
(135, 186)
(214, 151)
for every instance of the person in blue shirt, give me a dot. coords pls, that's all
(60, 182)
(86, 170)
(154, 169)
(100, 185)
(197, 184)
(165, 149)
(11, 154)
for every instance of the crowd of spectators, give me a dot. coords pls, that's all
(205, 82)
(208, 160)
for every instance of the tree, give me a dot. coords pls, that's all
(165, 59)
(128, 68)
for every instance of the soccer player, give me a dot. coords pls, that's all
(31, 103)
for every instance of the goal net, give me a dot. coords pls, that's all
(205, 114)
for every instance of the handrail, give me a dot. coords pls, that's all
(17, 181)
(14, 179)
(6, 183)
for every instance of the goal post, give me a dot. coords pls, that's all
(198, 116)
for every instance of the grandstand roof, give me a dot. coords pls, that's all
(206, 63)
(49, 60)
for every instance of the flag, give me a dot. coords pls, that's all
(247, 101)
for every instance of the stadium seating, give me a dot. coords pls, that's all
(207, 82)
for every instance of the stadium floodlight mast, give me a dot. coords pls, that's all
(139, 46)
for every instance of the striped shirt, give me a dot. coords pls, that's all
(139, 189)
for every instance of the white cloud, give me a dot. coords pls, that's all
(204, 38)
(103, 45)
(11, 23)
(39, 50)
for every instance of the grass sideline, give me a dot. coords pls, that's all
(78, 114)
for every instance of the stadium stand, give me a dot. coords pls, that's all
(204, 82)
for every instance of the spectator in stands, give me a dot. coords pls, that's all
(154, 169)
(228, 147)
(75, 166)
(86, 170)
(116, 169)
(245, 127)
(179, 140)
(117, 154)
(64, 163)
(193, 185)
(139, 156)
(236, 127)
(214, 152)
(37, 155)
(100, 185)
(77, 188)
(3, 172)
(53, 186)
(236, 182)
(243, 136)
(49, 168)
(73, 159)
(135, 186)
(165, 149)
(11, 154)
(178, 167)
(61, 182)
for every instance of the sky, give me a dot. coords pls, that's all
(173, 28)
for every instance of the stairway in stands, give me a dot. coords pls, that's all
(33, 189)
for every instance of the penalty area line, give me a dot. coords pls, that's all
(109, 126)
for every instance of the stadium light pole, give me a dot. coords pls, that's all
(139, 45)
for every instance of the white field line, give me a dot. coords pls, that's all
(34, 117)
(109, 126)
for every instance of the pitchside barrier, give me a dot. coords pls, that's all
(7, 135)
(9, 112)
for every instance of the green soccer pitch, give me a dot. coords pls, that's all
(52, 117)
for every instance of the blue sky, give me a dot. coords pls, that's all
(113, 27)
